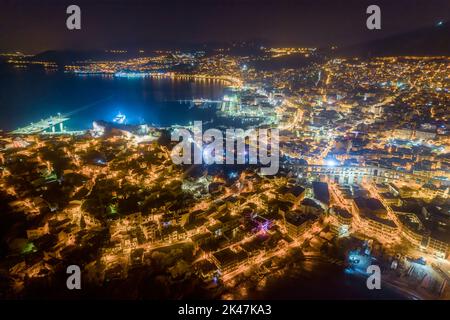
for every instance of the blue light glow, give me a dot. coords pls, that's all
(119, 118)
(331, 162)
(233, 175)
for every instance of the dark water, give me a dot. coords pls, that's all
(30, 95)
(322, 280)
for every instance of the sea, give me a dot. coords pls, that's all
(29, 95)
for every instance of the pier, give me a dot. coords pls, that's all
(53, 124)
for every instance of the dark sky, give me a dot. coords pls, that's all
(33, 26)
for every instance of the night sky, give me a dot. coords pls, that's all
(33, 26)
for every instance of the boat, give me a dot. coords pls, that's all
(119, 118)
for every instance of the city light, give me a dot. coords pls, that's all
(220, 169)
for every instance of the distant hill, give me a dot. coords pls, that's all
(70, 56)
(433, 41)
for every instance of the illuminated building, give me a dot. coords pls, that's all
(295, 194)
(298, 223)
(374, 218)
(230, 104)
(227, 260)
(341, 221)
